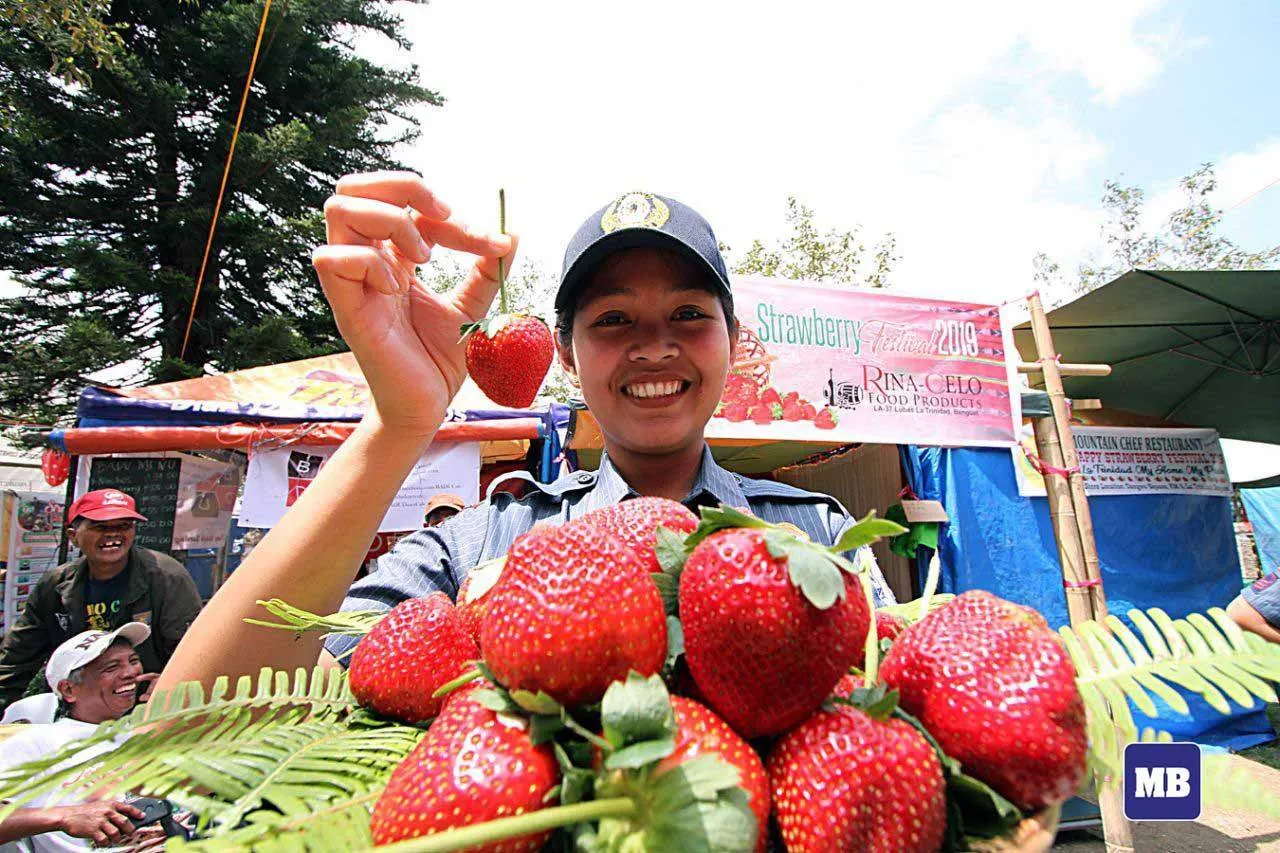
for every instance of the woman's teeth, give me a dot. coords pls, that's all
(654, 389)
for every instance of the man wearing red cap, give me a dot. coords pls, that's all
(111, 584)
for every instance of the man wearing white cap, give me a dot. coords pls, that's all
(96, 676)
(114, 581)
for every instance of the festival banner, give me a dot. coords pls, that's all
(817, 363)
(277, 478)
(1134, 461)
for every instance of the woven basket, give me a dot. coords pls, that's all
(1034, 835)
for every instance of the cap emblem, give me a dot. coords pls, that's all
(635, 210)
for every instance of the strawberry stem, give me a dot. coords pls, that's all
(450, 686)
(465, 837)
(872, 671)
(502, 262)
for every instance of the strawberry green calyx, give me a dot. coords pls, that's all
(816, 570)
(696, 805)
(492, 325)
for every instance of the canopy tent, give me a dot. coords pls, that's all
(1201, 348)
(316, 400)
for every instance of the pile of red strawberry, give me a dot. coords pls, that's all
(638, 679)
(744, 401)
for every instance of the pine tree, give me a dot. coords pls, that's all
(110, 184)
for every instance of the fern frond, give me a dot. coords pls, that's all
(1116, 667)
(910, 610)
(339, 827)
(290, 746)
(1228, 783)
(350, 623)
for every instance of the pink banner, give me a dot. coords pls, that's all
(841, 365)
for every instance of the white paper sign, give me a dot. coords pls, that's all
(206, 496)
(1135, 461)
(277, 478)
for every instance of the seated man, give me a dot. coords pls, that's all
(97, 677)
(1257, 608)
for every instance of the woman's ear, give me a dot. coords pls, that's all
(565, 356)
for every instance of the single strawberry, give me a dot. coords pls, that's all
(734, 412)
(419, 646)
(575, 610)
(700, 732)
(888, 626)
(791, 397)
(849, 779)
(635, 522)
(770, 620)
(807, 411)
(826, 419)
(792, 411)
(473, 594)
(473, 765)
(993, 684)
(762, 414)
(770, 397)
(508, 357)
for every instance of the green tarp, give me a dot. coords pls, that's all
(1200, 348)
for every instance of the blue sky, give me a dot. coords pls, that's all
(978, 134)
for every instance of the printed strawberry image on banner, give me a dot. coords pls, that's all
(303, 468)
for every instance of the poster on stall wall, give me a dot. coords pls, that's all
(1135, 461)
(206, 497)
(839, 365)
(29, 536)
(277, 478)
(188, 500)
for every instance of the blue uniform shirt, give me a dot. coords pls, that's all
(439, 558)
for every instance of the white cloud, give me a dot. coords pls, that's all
(880, 115)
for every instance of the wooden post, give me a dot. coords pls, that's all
(1074, 528)
(1070, 461)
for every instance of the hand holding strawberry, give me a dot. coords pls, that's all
(508, 355)
(381, 226)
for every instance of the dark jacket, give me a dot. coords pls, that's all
(160, 593)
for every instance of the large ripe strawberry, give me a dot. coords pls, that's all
(575, 610)
(473, 765)
(508, 357)
(636, 522)
(418, 647)
(771, 621)
(995, 687)
(847, 780)
(700, 732)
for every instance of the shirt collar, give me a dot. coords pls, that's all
(713, 485)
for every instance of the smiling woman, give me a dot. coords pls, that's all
(644, 322)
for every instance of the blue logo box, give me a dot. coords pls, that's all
(1162, 781)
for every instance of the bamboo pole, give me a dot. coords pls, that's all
(1068, 369)
(1070, 461)
(1076, 546)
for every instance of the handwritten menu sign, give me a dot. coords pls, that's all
(153, 484)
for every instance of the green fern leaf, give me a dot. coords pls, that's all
(292, 747)
(1205, 654)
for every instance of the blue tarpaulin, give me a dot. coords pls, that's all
(1263, 508)
(1176, 552)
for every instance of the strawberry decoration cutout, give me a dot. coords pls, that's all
(508, 355)
(56, 466)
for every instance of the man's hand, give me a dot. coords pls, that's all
(104, 822)
(381, 226)
(148, 678)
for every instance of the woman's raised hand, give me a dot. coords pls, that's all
(381, 226)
